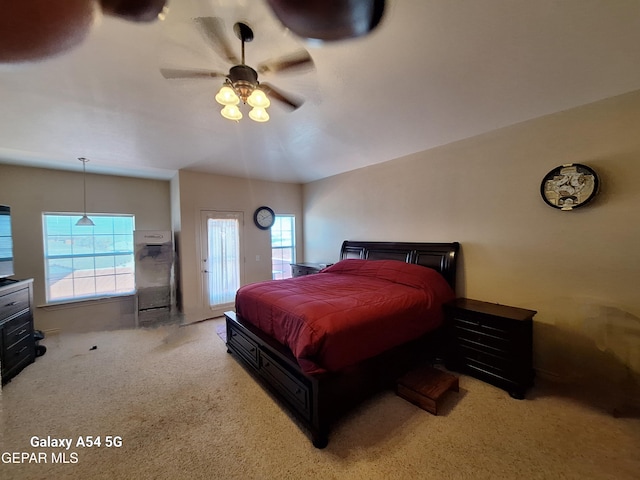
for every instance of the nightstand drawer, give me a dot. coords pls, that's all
(297, 271)
(481, 338)
(513, 385)
(301, 269)
(493, 362)
(498, 327)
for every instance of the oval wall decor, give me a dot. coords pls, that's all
(569, 186)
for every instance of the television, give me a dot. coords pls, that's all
(6, 243)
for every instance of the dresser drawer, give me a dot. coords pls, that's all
(245, 347)
(20, 353)
(288, 385)
(16, 330)
(14, 302)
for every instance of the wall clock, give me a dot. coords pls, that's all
(569, 186)
(264, 218)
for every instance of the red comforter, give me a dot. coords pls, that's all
(348, 312)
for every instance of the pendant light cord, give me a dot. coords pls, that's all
(84, 183)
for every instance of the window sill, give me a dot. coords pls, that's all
(83, 302)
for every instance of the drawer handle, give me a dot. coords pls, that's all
(21, 350)
(252, 349)
(267, 364)
(24, 330)
(11, 304)
(234, 334)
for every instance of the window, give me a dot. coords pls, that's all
(88, 262)
(283, 246)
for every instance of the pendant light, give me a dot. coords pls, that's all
(84, 221)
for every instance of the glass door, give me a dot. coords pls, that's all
(221, 265)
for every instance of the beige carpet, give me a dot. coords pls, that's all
(184, 408)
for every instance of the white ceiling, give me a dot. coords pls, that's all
(435, 71)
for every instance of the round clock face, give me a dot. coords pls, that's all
(569, 186)
(264, 218)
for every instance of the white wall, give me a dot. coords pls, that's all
(32, 191)
(199, 191)
(580, 270)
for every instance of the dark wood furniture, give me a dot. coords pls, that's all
(316, 401)
(491, 342)
(426, 386)
(301, 269)
(17, 343)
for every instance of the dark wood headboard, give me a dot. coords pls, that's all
(439, 256)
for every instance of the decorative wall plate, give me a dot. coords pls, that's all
(569, 186)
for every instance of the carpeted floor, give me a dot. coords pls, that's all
(184, 408)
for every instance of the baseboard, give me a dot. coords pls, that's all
(51, 332)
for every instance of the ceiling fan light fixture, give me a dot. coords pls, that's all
(227, 96)
(258, 114)
(258, 99)
(243, 90)
(231, 112)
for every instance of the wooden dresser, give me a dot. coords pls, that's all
(491, 342)
(17, 343)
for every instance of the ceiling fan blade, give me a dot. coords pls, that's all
(135, 10)
(212, 28)
(172, 73)
(329, 19)
(296, 61)
(276, 94)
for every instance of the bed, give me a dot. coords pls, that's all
(309, 340)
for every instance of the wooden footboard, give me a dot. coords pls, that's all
(317, 401)
(276, 368)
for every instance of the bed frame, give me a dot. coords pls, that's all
(317, 401)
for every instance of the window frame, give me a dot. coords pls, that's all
(73, 235)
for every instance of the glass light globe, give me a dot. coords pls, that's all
(226, 96)
(258, 99)
(259, 115)
(231, 112)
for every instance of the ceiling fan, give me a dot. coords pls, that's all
(241, 82)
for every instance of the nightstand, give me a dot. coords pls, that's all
(491, 342)
(301, 269)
